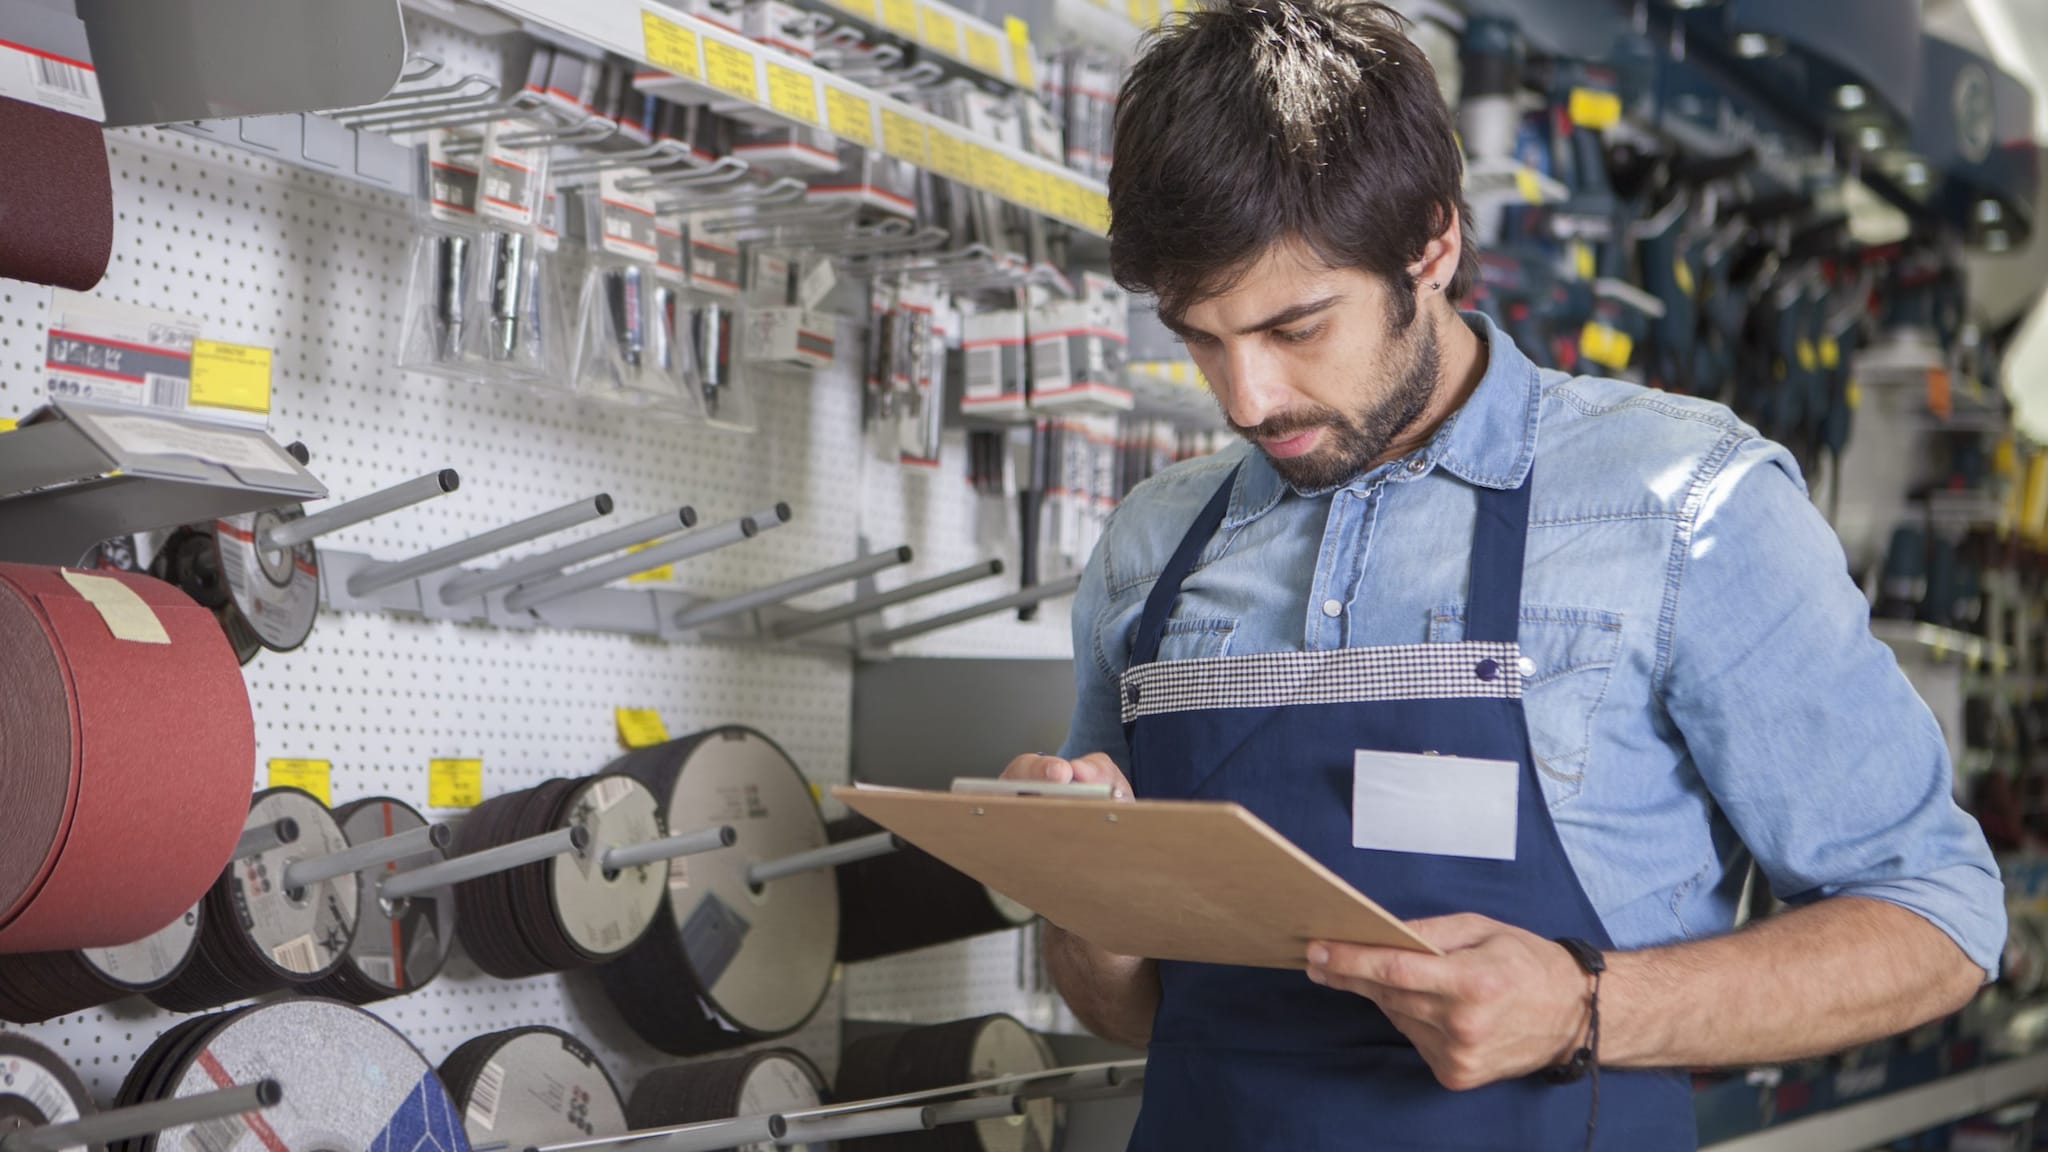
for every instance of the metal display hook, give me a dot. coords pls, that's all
(379, 575)
(470, 585)
(830, 856)
(723, 170)
(785, 190)
(139, 1120)
(1023, 598)
(532, 850)
(790, 629)
(290, 533)
(711, 612)
(658, 156)
(300, 875)
(682, 547)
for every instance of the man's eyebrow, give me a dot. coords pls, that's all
(1278, 319)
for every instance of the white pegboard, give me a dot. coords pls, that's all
(315, 268)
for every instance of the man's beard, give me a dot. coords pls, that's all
(1351, 444)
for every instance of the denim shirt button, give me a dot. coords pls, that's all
(1487, 669)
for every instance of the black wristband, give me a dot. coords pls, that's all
(1586, 1058)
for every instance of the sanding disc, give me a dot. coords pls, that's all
(725, 963)
(910, 899)
(37, 1087)
(772, 1080)
(350, 1082)
(399, 946)
(603, 912)
(151, 961)
(241, 637)
(532, 1086)
(259, 935)
(91, 701)
(939, 1056)
(277, 590)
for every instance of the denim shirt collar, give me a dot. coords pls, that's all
(1490, 441)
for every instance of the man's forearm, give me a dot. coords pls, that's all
(1806, 982)
(1114, 996)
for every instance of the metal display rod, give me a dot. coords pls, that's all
(417, 491)
(302, 874)
(1064, 586)
(144, 1119)
(716, 610)
(377, 577)
(473, 584)
(880, 600)
(532, 850)
(262, 838)
(830, 856)
(598, 575)
(688, 844)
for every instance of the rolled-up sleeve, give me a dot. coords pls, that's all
(1811, 740)
(1097, 725)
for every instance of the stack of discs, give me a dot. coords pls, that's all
(962, 1052)
(532, 1086)
(568, 911)
(258, 936)
(190, 558)
(275, 591)
(767, 1082)
(37, 1087)
(36, 986)
(105, 679)
(398, 946)
(350, 1083)
(911, 899)
(727, 964)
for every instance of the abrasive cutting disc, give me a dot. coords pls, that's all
(761, 1083)
(260, 935)
(350, 1082)
(37, 986)
(726, 963)
(101, 675)
(532, 1086)
(277, 590)
(960, 1052)
(604, 912)
(910, 899)
(37, 1087)
(399, 946)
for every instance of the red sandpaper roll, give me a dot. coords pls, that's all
(56, 198)
(125, 766)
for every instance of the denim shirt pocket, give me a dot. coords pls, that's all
(1196, 639)
(1571, 654)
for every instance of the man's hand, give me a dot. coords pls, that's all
(1094, 768)
(1499, 1003)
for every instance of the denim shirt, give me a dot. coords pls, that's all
(1700, 679)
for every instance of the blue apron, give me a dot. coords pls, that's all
(1255, 1058)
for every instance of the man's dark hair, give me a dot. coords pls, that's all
(1253, 122)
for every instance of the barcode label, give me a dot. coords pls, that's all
(300, 955)
(483, 1097)
(168, 391)
(984, 371)
(610, 790)
(1049, 363)
(379, 969)
(56, 76)
(217, 1135)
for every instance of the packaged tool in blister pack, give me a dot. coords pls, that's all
(632, 346)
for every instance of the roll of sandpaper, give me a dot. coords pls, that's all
(127, 756)
(56, 198)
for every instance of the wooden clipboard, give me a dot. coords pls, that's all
(1167, 879)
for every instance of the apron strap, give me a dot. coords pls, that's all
(1493, 606)
(1159, 605)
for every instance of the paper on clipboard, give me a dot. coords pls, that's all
(1168, 879)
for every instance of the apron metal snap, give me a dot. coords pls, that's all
(1487, 669)
(1131, 694)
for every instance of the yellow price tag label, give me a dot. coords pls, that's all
(1605, 346)
(315, 776)
(1026, 188)
(792, 93)
(984, 51)
(640, 727)
(900, 17)
(1681, 271)
(1583, 261)
(1809, 356)
(1530, 188)
(230, 376)
(8, 424)
(670, 46)
(1143, 13)
(850, 115)
(1592, 108)
(1092, 210)
(903, 138)
(659, 575)
(731, 69)
(1853, 396)
(938, 29)
(865, 9)
(1019, 34)
(1830, 353)
(948, 155)
(455, 783)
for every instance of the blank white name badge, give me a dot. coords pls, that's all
(1435, 805)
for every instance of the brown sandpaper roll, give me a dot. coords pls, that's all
(56, 197)
(126, 756)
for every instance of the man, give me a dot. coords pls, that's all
(1578, 649)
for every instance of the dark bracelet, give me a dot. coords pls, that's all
(1586, 1058)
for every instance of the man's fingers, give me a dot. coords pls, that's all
(1452, 933)
(1405, 1008)
(1047, 768)
(1396, 968)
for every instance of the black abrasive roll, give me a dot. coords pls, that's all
(56, 197)
(910, 899)
(968, 1051)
